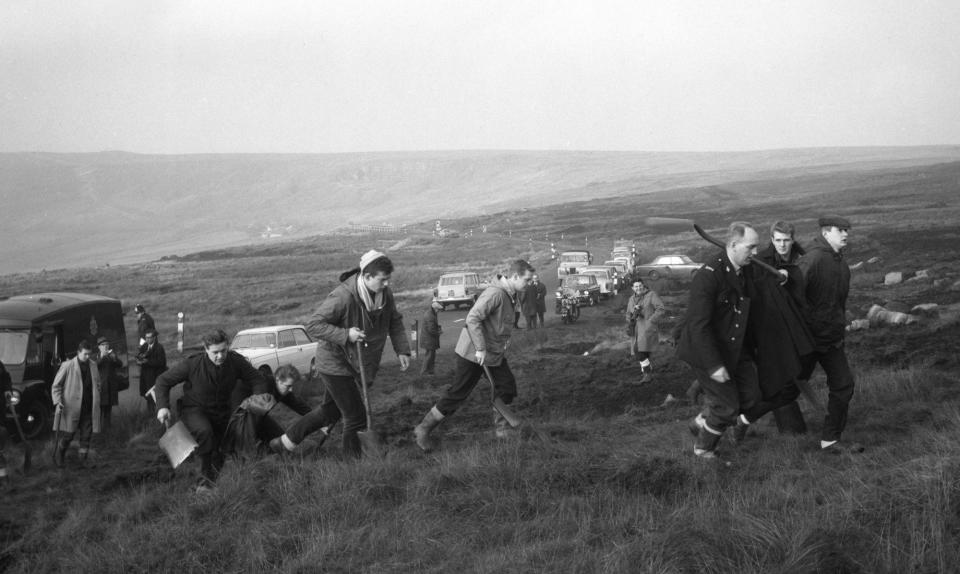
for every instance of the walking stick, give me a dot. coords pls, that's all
(27, 451)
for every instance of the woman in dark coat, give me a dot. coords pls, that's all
(152, 359)
(107, 364)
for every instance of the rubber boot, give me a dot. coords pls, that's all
(790, 419)
(422, 431)
(705, 445)
(60, 453)
(647, 376)
(740, 430)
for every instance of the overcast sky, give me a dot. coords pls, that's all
(155, 76)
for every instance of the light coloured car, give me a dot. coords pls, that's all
(570, 262)
(671, 266)
(269, 347)
(605, 278)
(458, 288)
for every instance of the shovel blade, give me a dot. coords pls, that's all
(511, 417)
(177, 443)
(372, 444)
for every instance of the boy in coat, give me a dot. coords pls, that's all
(483, 343)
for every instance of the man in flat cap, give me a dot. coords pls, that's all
(826, 285)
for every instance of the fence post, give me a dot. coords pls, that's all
(180, 332)
(413, 339)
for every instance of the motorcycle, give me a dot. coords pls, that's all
(568, 308)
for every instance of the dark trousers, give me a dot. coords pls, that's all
(740, 395)
(531, 321)
(207, 428)
(840, 383)
(540, 318)
(105, 412)
(465, 379)
(269, 429)
(341, 398)
(84, 432)
(429, 361)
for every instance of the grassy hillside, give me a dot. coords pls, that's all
(615, 488)
(91, 209)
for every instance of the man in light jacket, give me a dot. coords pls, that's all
(483, 343)
(76, 397)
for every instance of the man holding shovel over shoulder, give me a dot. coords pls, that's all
(351, 327)
(482, 344)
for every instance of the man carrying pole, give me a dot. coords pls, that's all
(483, 343)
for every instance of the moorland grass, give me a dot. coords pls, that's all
(625, 496)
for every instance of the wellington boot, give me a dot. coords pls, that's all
(739, 431)
(422, 431)
(705, 446)
(60, 453)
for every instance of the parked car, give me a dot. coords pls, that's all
(459, 288)
(621, 273)
(269, 347)
(39, 332)
(584, 288)
(570, 262)
(672, 266)
(605, 278)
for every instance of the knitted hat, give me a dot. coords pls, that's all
(369, 258)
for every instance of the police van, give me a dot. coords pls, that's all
(39, 332)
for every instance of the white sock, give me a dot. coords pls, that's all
(826, 443)
(287, 443)
(645, 364)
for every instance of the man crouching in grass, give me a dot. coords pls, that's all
(483, 343)
(209, 391)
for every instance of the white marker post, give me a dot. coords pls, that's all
(180, 332)
(413, 340)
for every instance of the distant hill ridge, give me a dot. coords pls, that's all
(93, 208)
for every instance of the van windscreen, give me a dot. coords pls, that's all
(13, 347)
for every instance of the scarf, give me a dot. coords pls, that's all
(370, 303)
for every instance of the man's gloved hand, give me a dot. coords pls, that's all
(259, 404)
(163, 415)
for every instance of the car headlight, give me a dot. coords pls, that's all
(15, 397)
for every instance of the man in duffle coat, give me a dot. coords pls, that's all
(76, 398)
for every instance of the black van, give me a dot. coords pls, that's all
(38, 332)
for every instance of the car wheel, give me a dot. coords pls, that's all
(654, 275)
(34, 417)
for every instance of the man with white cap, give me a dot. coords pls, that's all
(359, 310)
